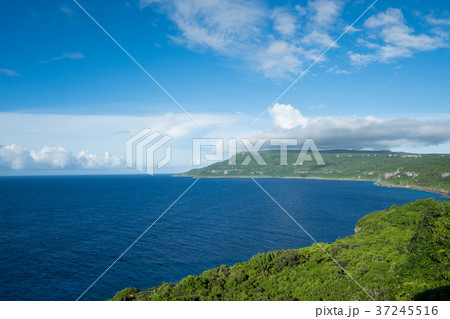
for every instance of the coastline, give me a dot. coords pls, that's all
(444, 193)
(418, 188)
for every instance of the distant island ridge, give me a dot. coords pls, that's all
(428, 172)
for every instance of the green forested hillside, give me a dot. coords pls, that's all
(401, 253)
(427, 171)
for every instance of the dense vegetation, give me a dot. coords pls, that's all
(426, 171)
(401, 253)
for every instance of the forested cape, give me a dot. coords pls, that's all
(401, 253)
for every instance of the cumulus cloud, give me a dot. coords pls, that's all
(9, 72)
(356, 132)
(286, 116)
(16, 157)
(101, 134)
(52, 157)
(70, 56)
(88, 160)
(398, 39)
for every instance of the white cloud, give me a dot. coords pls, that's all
(398, 39)
(278, 42)
(319, 106)
(241, 29)
(16, 157)
(325, 12)
(66, 10)
(337, 70)
(70, 55)
(279, 59)
(53, 157)
(300, 10)
(287, 117)
(437, 21)
(317, 37)
(216, 24)
(9, 72)
(88, 160)
(389, 17)
(310, 32)
(322, 18)
(283, 21)
(357, 132)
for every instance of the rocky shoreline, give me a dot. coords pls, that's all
(419, 188)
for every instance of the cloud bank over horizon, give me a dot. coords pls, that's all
(355, 132)
(16, 157)
(61, 141)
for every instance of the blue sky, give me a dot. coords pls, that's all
(67, 88)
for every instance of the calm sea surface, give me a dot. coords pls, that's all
(59, 233)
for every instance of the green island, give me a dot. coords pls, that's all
(429, 172)
(401, 253)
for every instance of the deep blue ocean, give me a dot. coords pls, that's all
(59, 233)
